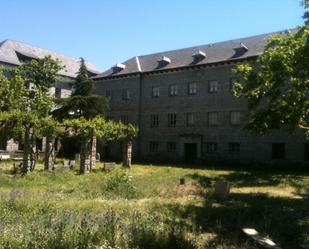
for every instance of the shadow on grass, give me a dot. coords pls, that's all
(285, 220)
(250, 178)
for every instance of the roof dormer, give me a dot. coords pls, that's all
(244, 47)
(118, 67)
(25, 56)
(199, 56)
(240, 50)
(164, 61)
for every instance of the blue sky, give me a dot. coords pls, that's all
(107, 31)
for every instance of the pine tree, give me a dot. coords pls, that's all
(83, 103)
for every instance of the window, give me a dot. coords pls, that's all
(171, 147)
(213, 118)
(213, 86)
(231, 83)
(234, 148)
(124, 119)
(235, 118)
(306, 154)
(155, 92)
(154, 120)
(126, 94)
(58, 93)
(108, 95)
(192, 88)
(171, 118)
(190, 119)
(153, 146)
(211, 147)
(278, 151)
(173, 90)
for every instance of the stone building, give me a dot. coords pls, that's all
(14, 53)
(182, 102)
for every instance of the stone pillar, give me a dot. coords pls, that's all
(85, 155)
(93, 153)
(11, 145)
(49, 154)
(126, 153)
(28, 155)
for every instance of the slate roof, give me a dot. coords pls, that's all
(216, 52)
(10, 49)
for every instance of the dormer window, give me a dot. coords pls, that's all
(118, 67)
(240, 50)
(24, 56)
(199, 56)
(164, 61)
(244, 47)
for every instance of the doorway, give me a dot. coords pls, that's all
(190, 152)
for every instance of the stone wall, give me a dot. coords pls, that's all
(252, 149)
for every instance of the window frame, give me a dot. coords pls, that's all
(212, 89)
(171, 147)
(192, 90)
(154, 120)
(109, 95)
(211, 147)
(192, 123)
(232, 120)
(126, 94)
(173, 90)
(155, 94)
(58, 92)
(153, 146)
(234, 148)
(171, 119)
(209, 114)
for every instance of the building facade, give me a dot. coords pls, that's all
(14, 53)
(183, 104)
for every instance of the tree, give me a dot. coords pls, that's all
(83, 103)
(305, 3)
(126, 135)
(25, 100)
(85, 130)
(276, 85)
(50, 129)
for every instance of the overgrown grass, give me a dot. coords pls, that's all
(145, 207)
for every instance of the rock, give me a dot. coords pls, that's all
(222, 189)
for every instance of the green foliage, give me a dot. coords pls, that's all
(276, 86)
(305, 3)
(66, 210)
(83, 102)
(83, 85)
(43, 73)
(99, 127)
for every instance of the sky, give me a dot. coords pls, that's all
(106, 32)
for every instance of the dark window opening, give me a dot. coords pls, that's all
(153, 146)
(278, 151)
(211, 147)
(154, 120)
(306, 151)
(234, 148)
(171, 147)
(171, 119)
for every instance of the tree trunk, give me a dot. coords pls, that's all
(49, 154)
(126, 153)
(85, 154)
(93, 152)
(28, 155)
